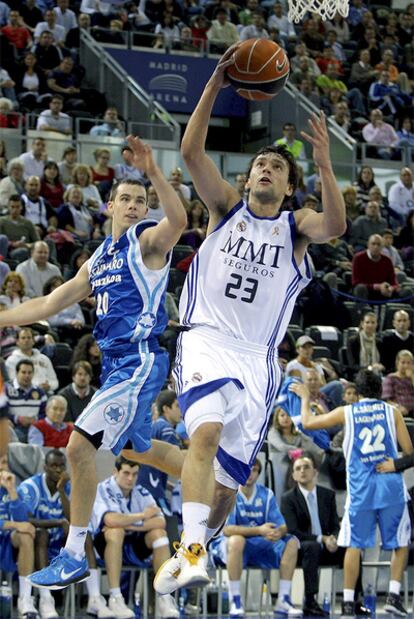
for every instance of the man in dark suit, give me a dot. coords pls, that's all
(311, 515)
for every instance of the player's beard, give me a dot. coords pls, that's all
(265, 195)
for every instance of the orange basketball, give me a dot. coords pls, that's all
(260, 70)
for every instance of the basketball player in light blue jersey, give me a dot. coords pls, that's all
(373, 430)
(128, 276)
(236, 303)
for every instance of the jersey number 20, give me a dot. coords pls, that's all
(102, 304)
(372, 439)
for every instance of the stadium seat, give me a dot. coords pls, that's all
(180, 252)
(176, 279)
(330, 337)
(61, 362)
(321, 351)
(356, 311)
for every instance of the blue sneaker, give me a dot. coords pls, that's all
(63, 571)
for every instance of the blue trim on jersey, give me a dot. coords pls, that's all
(273, 387)
(238, 470)
(292, 225)
(291, 291)
(229, 215)
(307, 266)
(194, 394)
(258, 217)
(177, 369)
(193, 284)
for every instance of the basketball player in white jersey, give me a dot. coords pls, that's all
(236, 304)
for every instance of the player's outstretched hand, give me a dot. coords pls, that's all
(300, 389)
(319, 139)
(142, 155)
(219, 77)
(387, 466)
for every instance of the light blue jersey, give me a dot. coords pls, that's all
(129, 296)
(370, 438)
(261, 507)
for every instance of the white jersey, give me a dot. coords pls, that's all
(244, 280)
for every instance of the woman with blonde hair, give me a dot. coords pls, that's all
(398, 387)
(13, 290)
(284, 437)
(353, 210)
(82, 176)
(13, 183)
(74, 216)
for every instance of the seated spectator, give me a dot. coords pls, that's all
(50, 24)
(66, 82)
(394, 255)
(37, 270)
(256, 29)
(245, 15)
(64, 16)
(196, 230)
(111, 126)
(406, 134)
(102, 173)
(187, 44)
(51, 188)
(7, 85)
(295, 147)
(256, 535)
(364, 226)
(405, 28)
(387, 65)
(373, 274)
(330, 80)
(36, 208)
(74, 216)
(54, 119)
(375, 195)
(8, 118)
(353, 210)
(311, 37)
(17, 536)
(337, 49)
(332, 259)
(80, 392)
(401, 196)
(13, 290)
(17, 35)
(363, 348)
(302, 52)
(88, 350)
(30, 84)
(127, 169)
(67, 165)
(300, 365)
(364, 182)
(176, 179)
(405, 239)
(82, 176)
(51, 431)
(307, 90)
(280, 21)
(381, 134)
(398, 387)
(307, 69)
(284, 437)
(119, 504)
(44, 373)
(342, 116)
(388, 97)
(155, 210)
(34, 160)
(339, 25)
(47, 54)
(362, 72)
(167, 33)
(30, 14)
(222, 33)
(73, 36)
(70, 322)
(396, 339)
(199, 29)
(27, 401)
(328, 57)
(17, 234)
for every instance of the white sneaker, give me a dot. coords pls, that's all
(166, 607)
(285, 607)
(187, 568)
(191, 609)
(236, 609)
(25, 606)
(97, 606)
(118, 607)
(165, 580)
(47, 608)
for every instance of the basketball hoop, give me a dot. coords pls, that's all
(325, 8)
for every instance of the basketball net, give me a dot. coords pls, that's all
(325, 8)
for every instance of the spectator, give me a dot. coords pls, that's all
(31, 15)
(4, 13)
(294, 146)
(362, 72)
(328, 57)
(50, 24)
(196, 230)
(406, 134)
(155, 210)
(67, 165)
(388, 97)
(363, 348)
(393, 254)
(301, 52)
(311, 37)
(338, 50)
(187, 44)
(70, 322)
(240, 184)
(82, 176)
(64, 16)
(396, 339)
(102, 173)
(387, 65)
(37, 270)
(73, 36)
(365, 181)
(373, 275)
(36, 209)
(350, 198)
(111, 126)
(307, 90)
(17, 35)
(256, 29)
(8, 118)
(74, 216)
(405, 28)
(278, 20)
(119, 504)
(380, 134)
(51, 188)
(34, 160)
(65, 81)
(366, 225)
(44, 374)
(405, 238)
(30, 84)
(167, 33)
(51, 431)
(54, 119)
(300, 365)
(356, 12)
(16, 538)
(47, 53)
(199, 29)
(284, 437)
(401, 196)
(332, 259)
(7, 85)
(245, 15)
(375, 195)
(27, 402)
(342, 116)
(80, 392)
(330, 80)
(17, 233)
(222, 33)
(398, 387)
(88, 350)
(13, 291)
(307, 69)
(127, 169)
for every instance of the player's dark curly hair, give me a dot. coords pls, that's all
(281, 150)
(368, 384)
(125, 181)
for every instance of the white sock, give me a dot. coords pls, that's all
(25, 587)
(210, 533)
(395, 587)
(349, 595)
(92, 584)
(284, 588)
(75, 543)
(45, 594)
(195, 518)
(234, 588)
(115, 591)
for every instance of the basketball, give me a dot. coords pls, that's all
(260, 70)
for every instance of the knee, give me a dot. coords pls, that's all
(79, 450)
(224, 495)
(205, 439)
(25, 542)
(114, 535)
(310, 548)
(236, 544)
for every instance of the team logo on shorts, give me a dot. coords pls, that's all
(114, 413)
(241, 226)
(196, 378)
(147, 320)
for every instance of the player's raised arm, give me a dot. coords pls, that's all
(161, 238)
(331, 223)
(316, 422)
(41, 308)
(215, 192)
